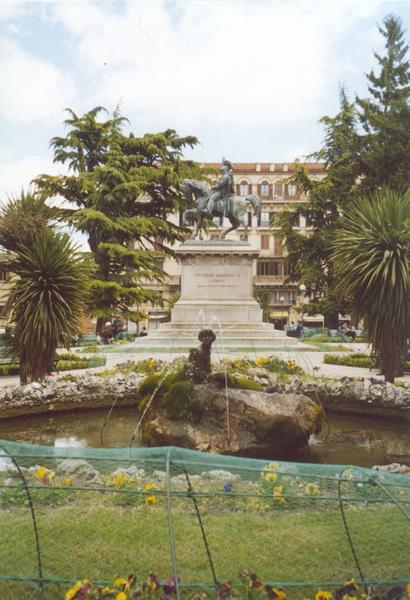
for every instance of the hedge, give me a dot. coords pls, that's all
(74, 362)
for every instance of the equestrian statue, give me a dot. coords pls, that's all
(217, 201)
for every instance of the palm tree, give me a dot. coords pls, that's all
(50, 292)
(371, 251)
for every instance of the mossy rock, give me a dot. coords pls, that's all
(235, 381)
(180, 403)
(160, 383)
(149, 384)
(244, 383)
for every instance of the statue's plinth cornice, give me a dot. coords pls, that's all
(216, 247)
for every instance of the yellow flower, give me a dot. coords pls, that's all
(72, 591)
(268, 473)
(323, 595)
(106, 590)
(150, 486)
(68, 481)
(312, 489)
(120, 582)
(121, 596)
(150, 500)
(346, 597)
(408, 590)
(277, 494)
(119, 480)
(261, 361)
(277, 593)
(41, 471)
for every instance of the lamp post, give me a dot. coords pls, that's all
(282, 302)
(302, 289)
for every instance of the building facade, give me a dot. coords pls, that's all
(268, 181)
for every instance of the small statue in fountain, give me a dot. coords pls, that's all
(199, 359)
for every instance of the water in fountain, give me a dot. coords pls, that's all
(217, 321)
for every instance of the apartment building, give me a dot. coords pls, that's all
(268, 181)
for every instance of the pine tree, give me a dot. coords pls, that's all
(385, 115)
(309, 257)
(125, 189)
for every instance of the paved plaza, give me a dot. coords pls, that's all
(311, 361)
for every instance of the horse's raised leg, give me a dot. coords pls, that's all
(234, 225)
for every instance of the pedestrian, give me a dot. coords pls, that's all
(116, 327)
(107, 333)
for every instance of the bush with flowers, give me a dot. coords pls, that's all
(272, 363)
(124, 589)
(249, 586)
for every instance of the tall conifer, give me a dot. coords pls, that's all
(125, 188)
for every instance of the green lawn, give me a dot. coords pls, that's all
(104, 535)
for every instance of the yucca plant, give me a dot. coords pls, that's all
(50, 285)
(47, 301)
(372, 251)
(22, 218)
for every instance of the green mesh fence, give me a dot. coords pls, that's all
(69, 514)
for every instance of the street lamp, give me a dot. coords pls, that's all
(302, 289)
(282, 302)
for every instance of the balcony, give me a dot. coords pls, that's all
(269, 279)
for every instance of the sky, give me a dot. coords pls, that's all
(249, 78)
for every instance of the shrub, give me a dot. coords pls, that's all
(73, 363)
(89, 349)
(9, 369)
(356, 359)
(69, 356)
(284, 367)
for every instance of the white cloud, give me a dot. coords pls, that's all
(32, 89)
(11, 10)
(244, 63)
(16, 174)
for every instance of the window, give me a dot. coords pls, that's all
(265, 242)
(3, 275)
(278, 189)
(265, 188)
(249, 219)
(159, 263)
(264, 219)
(244, 188)
(292, 190)
(296, 220)
(277, 246)
(269, 267)
(217, 221)
(280, 297)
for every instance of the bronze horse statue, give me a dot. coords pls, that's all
(236, 211)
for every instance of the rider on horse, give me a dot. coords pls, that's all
(222, 190)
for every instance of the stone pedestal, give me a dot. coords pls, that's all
(216, 283)
(217, 293)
